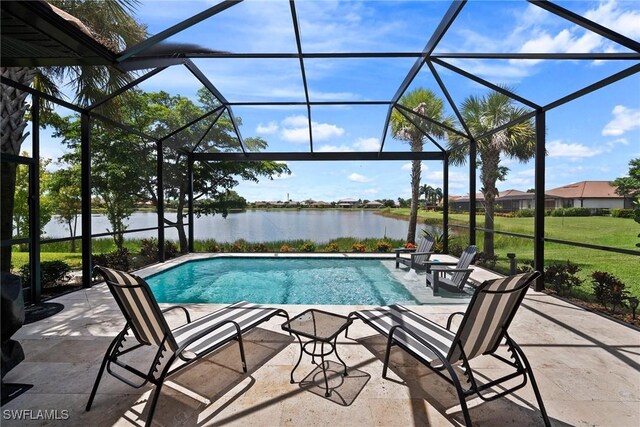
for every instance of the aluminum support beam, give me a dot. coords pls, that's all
(587, 24)
(472, 191)
(296, 29)
(422, 131)
(160, 199)
(192, 122)
(34, 204)
(593, 87)
(304, 156)
(125, 88)
(447, 95)
(445, 203)
(435, 122)
(190, 160)
(85, 191)
(538, 227)
(445, 23)
(163, 35)
(486, 83)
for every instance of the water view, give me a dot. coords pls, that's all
(262, 225)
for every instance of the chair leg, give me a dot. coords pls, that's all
(386, 358)
(154, 402)
(244, 361)
(534, 384)
(105, 359)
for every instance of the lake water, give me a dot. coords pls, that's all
(319, 225)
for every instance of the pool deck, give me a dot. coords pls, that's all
(587, 368)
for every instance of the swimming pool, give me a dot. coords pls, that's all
(281, 281)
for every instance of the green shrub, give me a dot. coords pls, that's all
(308, 247)
(118, 259)
(332, 247)
(608, 289)
(455, 249)
(438, 240)
(149, 249)
(562, 277)
(285, 248)
(524, 213)
(259, 247)
(485, 260)
(383, 246)
(601, 212)
(213, 248)
(358, 247)
(52, 273)
(622, 213)
(239, 245)
(571, 212)
(525, 267)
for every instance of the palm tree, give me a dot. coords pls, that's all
(483, 114)
(438, 195)
(110, 22)
(428, 192)
(424, 102)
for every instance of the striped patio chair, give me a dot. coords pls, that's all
(418, 257)
(176, 348)
(483, 327)
(451, 276)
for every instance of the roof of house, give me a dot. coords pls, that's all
(374, 203)
(502, 195)
(347, 201)
(586, 189)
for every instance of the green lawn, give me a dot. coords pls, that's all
(598, 230)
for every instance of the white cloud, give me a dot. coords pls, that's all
(356, 177)
(559, 149)
(371, 191)
(296, 129)
(624, 120)
(406, 166)
(323, 131)
(268, 129)
(367, 144)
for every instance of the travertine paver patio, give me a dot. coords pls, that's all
(587, 367)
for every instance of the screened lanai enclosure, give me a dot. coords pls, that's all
(167, 147)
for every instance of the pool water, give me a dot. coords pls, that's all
(280, 281)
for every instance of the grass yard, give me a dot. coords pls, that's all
(597, 230)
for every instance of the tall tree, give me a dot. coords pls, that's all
(424, 102)
(21, 208)
(111, 23)
(629, 185)
(482, 114)
(427, 192)
(66, 199)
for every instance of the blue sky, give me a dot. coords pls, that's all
(592, 138)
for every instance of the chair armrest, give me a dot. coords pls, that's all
(451, 318)
(186, 312)
(404, 250)
(449, 269)
(421, 253)
(440, 262)
(204, 333)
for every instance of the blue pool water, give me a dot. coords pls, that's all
(280, 281)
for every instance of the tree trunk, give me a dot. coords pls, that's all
(182, 236)
(13, 125)
(489, 175)
(415, 199)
